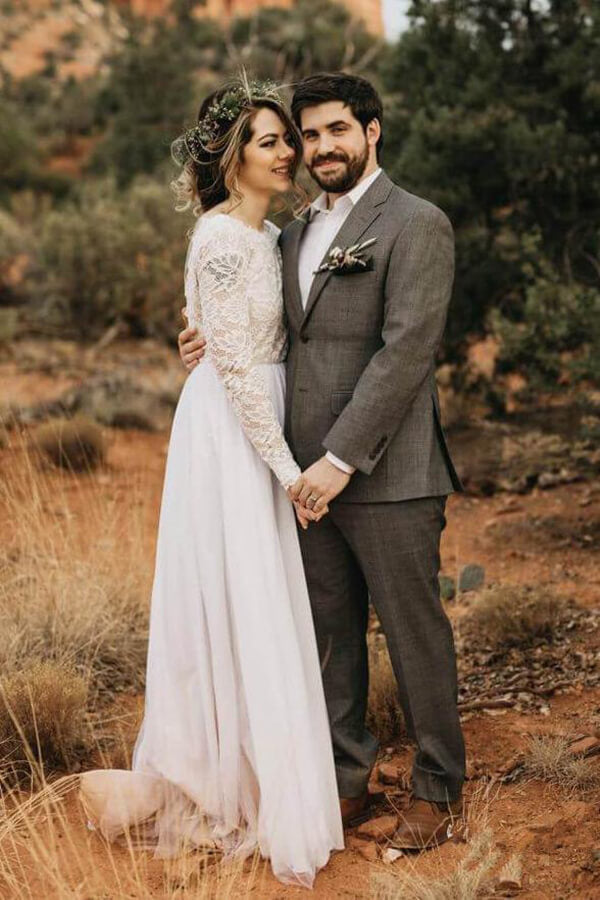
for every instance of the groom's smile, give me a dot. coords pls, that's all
(336, 149)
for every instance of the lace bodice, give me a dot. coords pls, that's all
(234, 296)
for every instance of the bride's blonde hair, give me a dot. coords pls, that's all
(212, 153)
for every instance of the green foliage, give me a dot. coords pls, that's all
(146, 100)
(312, 36)
(18, 154)
(558, 327)
(111, 255)
(490, 113)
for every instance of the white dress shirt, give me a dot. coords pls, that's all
(323, 225)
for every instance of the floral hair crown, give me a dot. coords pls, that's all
(226, 109)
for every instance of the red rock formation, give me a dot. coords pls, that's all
(370, 11)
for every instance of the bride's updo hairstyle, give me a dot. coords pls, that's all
(212, 152)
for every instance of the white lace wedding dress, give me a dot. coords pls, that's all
(235, 748)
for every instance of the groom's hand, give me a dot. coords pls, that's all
(192, 346)
(322, 481)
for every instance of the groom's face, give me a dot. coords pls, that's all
(336, 149)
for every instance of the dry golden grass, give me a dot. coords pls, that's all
(548, 757)
(384, 716)
(46, 851)
(76, 444)
(42, 717)
(515, 615)
(75, 574)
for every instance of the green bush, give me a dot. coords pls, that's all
(557, 331)
(112, 255)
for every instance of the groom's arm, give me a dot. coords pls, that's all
(418, 286)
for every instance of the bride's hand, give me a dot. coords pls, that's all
(306, 516)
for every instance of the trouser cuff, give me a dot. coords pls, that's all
(429, 786)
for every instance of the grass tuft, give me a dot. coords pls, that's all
(549, 758)
(516, 615)
(75, 444)
(42, 716)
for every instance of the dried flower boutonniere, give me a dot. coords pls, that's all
(347, 259)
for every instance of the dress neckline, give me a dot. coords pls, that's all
(264, 231)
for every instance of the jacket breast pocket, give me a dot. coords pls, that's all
(339, 399)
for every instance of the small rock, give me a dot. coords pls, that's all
(447, 587)
(391, 855)
(596, 854)
(389, 773)
(380, 827)
(471, 577)
(587, 746)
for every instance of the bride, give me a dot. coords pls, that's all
(234, 749)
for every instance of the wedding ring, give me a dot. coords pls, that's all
(313, 498)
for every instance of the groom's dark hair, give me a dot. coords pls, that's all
(353, 91)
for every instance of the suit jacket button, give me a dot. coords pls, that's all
(304, 339)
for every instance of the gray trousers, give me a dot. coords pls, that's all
(389, 552)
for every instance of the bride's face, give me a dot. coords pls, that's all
(268, 157)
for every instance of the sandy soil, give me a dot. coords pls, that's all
(547, 537)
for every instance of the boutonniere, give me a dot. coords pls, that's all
(347, 259)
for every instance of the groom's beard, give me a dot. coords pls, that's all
(345, 181)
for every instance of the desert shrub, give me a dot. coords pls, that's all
(18, 153)
(515, 615)
(142, 120)
(15, 244)
(9, 321)
(557, 330)
(41, 715)
(549, 758)
(112, 256)
(384, 715)
(76, 444)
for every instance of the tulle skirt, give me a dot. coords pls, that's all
(234, 750)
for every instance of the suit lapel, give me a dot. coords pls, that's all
(291, 263)
(359, 219)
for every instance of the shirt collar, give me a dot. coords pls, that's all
(352, 197)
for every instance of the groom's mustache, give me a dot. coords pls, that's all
(331, 157)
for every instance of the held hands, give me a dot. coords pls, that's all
(317, 487)
(191, 346)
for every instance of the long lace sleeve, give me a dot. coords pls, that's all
(220, 266)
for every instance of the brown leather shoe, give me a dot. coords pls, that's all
(353, 809)
(426, 824)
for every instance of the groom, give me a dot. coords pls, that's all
(363, 421)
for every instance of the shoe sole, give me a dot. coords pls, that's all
(433, 842)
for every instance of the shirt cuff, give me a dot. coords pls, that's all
(339, 464)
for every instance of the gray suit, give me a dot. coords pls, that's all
(361, 383)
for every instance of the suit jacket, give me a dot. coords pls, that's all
(361, 363)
